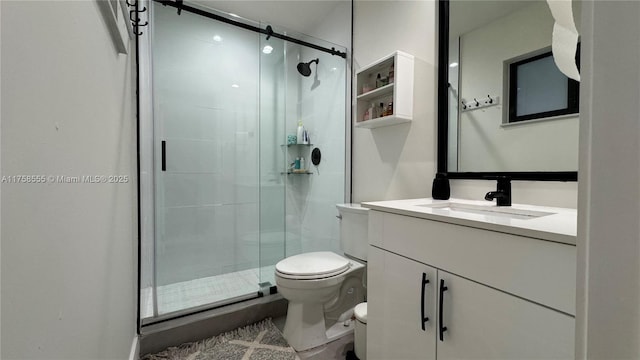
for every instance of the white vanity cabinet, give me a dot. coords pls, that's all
(504, 296)
(486, 323)
(395, 329)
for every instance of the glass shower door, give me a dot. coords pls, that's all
(226, 208)
(206, 166)
(273, 148)
(297, 207)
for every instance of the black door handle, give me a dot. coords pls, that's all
(164, 155)
(423, 319)
(442, 328)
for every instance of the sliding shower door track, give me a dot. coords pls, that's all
(199, 309)
(188, 328)
(179, 5)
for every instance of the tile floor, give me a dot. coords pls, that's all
(203, 291)
(186, 294)
(335, 350)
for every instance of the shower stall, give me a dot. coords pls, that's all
(220, 201)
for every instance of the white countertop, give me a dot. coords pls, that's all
(560, 226)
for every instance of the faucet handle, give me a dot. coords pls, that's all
(504, 181)
(502, 193)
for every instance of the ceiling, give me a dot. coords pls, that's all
(466, 15)
(302, 16)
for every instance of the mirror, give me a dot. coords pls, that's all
(504, 107)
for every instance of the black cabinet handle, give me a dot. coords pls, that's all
(164, 155)
(423, 319)
(442, 328)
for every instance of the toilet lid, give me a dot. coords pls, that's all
(312, 265)
(360, 311)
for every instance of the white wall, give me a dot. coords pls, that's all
(608, 297)
(68, 250)
(398, 161)
(0, 190)
(486, 145)
(543, 193)
(335, 27)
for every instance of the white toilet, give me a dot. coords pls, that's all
(323, 287)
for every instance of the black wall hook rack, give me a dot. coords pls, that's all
(134, 16)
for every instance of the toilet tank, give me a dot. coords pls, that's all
(354, 224)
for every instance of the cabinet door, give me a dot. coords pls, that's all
(484, 323)
(397, 302)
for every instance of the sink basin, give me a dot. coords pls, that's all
(451, 208)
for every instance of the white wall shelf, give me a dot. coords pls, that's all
(398, 91)
(379, 92)
(382, 121)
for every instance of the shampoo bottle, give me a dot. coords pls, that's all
(305, 137)
(300, 132)
(302, 163)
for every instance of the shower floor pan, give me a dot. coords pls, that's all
(184, 295)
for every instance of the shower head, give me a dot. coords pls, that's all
(305, 68)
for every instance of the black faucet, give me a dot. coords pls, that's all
(502, 194)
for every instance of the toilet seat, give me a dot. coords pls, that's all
(311, 266)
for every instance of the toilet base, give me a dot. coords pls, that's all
(305, 327)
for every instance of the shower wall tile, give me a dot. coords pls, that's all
(209, 105)
(272, 208)
(194, 225)
(186, 121)
(292, 245)
(179, 227)
(217, 222)
(207, 190)
(193, 156)
(225, 254)
(246, 266)
(182, 262)
(190, 88)
(247, 234)
(320, 103)
(197, 242)
(248, 192)
(194, 190)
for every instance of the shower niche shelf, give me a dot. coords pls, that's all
(306, 172)
(399, 91)
(302, 150)
(295, 145)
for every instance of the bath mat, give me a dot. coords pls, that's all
(259, 341)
